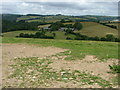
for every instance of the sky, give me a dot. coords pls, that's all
(64, 7)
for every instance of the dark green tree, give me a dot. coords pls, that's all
(110, 37)
(77, 26)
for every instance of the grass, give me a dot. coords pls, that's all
(16, 33)
(103, 50)
(115, 68)
(39, 20)
(35, 72)
(27, 17)
(115, 24)
(42, 26)
(93, 29)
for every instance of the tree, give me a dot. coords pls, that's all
(62, 21)
(55, 26)
(21, 34)
(54, 34)
(103, 39)
(69, 31)
(110, 37)
(77, 26)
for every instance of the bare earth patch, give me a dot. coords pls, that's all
(88, 64)
(12, 51)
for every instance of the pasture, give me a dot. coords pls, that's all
(93, 29)
(16, 33)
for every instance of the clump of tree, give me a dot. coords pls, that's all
(40, 34)
(21, 25)
(68, 26)
(111, 26)
(109, 37)
(69, 31)
(56, 26)
(69, 38)
(64, 21)
(77, 26)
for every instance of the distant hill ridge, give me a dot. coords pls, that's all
(50, 18)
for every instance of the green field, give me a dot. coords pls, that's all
(103, 50)
(42, 26)
(115, 24)
(16, 33)
(27, 17)
(94, 29)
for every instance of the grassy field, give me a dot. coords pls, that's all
(37, 20)
(103, 50)
(27, 17)
(16, 33)
(42, 26)
(94, 29)
(115, 24)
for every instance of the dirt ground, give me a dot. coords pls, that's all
(88, 64)
(12, 51)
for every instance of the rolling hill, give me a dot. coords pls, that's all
(90, 29)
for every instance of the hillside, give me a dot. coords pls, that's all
(96, 29)
(90, 29)
(32, 23)
(54, 18)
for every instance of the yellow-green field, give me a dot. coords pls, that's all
(16, 33)
(115, 24)
(27, 17)
(93, 29)
(42, 26)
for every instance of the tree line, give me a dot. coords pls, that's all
(108, 37)
(21, 25)
(78, 36)
(40, 34)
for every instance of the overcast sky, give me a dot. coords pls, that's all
(65, 7)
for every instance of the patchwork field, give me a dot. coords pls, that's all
(90, 29)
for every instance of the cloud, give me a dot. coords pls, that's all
(66, 8)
